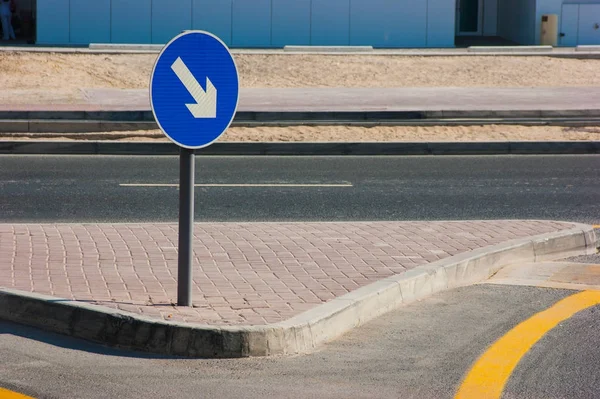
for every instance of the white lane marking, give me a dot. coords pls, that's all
(235, 185)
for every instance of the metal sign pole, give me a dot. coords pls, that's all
(186, 226)
(194, 94)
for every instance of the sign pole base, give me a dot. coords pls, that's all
(186, 226)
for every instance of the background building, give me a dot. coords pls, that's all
(275, 23)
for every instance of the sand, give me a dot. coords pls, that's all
(57, 78)
(353, 134)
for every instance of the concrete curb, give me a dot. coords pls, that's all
(509, 49)
(80, 113)
(591, 48)
(126, 47)
(59, 126)
(99, 48)
(83, 147)
(302, 333)
(328, 49)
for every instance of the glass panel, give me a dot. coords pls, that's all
(469, 15)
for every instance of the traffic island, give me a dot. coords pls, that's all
(260, 289)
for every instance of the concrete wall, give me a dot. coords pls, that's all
(516, 20)
(251, 23)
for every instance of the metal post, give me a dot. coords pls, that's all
(186, 227)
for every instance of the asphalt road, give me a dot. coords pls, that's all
(564, 364)
(89, 188)
(422, 350)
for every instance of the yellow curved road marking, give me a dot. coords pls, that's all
(491, 371)
(6, 394)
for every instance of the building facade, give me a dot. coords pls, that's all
(276, 23)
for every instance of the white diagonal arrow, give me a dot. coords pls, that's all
(206, 101)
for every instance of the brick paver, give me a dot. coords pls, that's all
(244, 273)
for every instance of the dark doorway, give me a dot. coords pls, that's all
(23, 22)
(468, 19)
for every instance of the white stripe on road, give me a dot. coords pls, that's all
(235, 185)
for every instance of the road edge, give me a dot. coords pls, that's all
(300, 334)
(30, 147)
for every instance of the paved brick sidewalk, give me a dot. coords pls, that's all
(244, 273)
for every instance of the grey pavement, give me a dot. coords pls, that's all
(421, 350)
(358, 99)
(563, 364)
(421, 99)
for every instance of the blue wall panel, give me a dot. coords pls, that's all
(516, 20)
(131, 21)
(267, 23)
(53, 21)
(251, 23)
(90, 21)
(170, 18)
(569, 25)
(214, 16)
(589, 19)
(441, 23)
(556, 7)
(388, 23)
(291, 22)
(330, 23)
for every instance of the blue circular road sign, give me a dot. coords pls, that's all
(194, 89)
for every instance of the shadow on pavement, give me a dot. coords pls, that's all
(8, 328)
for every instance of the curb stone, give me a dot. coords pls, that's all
(89, 147)
(593, 47)
(300, 334)
(328, 49)
(106, 114)
(509, 49)
(100, 48)
(60, 126)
